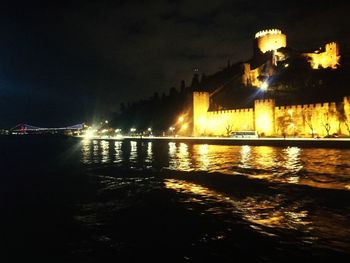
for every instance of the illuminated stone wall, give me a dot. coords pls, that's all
(327, 59)
(250, 76)
(269, 40)
(222, 123)
(346, 124)
(200, 109)
(269, 120)
(347, 107)
(264, 113)
(303, 120)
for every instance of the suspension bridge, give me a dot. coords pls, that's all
(30, 129)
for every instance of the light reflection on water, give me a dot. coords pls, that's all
(289, 208)
(271, 214)
(117, 152)
(105, 151)
(133, 152)
(274, 211)
(326, 168)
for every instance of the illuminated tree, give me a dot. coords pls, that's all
(326, 120)
(342, 118)
(307, 119)
(283, 122)
(229, 129)
(341, 115)
(347, 125)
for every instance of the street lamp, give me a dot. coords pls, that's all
(264, 86)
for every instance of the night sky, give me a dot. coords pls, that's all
(63, 63)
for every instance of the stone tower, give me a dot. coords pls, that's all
(200, 109)
(264, 117)
(270, 40)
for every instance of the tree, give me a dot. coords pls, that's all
(307, 119)
(347, 125)
(229, 128)
(283, 122)
(342, 117)
(326, 120)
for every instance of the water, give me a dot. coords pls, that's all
(68, 200)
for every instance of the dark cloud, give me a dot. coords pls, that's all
(63, 62)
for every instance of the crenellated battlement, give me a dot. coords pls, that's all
(328, 59)
(200, 93)
(270, 39)
(331, 46)
(265, 101)
(268, 32)
(270, 120)
(233, 111)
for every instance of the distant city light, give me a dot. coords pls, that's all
(89, 134)
(106, 121)
(118, 130)
(133, 129)
(149, 129)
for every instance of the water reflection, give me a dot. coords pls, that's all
(133, 151)
(203, 156)
(264, 158)
(95, 151)
(182, 156)
(179, 157)
(172, 155)
(293, 164)
(117, 151)
(328, 168)
(85, 151)
(271, 214)
(263, 212)
(149, 157)
(245, 156)
(105, 151)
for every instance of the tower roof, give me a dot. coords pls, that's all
(268, 32)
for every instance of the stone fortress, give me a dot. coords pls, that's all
(267, 118)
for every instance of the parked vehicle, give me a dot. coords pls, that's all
(245, 134)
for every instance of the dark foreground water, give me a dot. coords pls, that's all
(66, 200)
